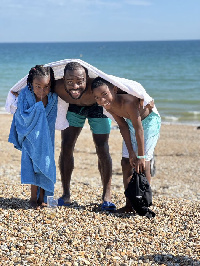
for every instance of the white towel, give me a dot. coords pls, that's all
(129, 86)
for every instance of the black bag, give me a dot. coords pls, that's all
(140, 194)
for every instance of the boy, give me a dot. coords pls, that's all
(140, 128)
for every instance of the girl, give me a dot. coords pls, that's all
(33, 132)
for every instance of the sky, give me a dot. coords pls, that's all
(98, 20)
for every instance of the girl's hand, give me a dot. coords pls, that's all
(140, 166)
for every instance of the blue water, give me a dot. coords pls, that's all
(168, 70)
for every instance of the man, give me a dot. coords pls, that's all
(75, 89)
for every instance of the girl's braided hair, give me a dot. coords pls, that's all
(40, 71)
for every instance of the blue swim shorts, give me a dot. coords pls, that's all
(151, 126)
(99, 123)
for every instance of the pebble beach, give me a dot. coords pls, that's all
(84, 235)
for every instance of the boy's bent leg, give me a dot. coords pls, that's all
(104, 163)
(127, 172)
(66, 161)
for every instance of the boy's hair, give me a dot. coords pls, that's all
(74, 66)
(97, 82)
(40, 71)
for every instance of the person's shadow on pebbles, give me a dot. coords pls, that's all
(169, 259)
(14, 203)
(96, 208)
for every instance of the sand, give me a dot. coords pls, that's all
(83, 235)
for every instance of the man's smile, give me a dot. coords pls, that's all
(75, 92)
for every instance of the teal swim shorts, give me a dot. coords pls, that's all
(151, 126)
(99, 123)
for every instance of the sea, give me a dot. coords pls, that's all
(168, 70)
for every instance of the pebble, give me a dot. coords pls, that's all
(81, 238)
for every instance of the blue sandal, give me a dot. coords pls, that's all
(61, 202)
(108, 206)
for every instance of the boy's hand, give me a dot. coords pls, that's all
(140, 166)
(132, 159)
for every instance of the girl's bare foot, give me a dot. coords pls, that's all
(41, 204)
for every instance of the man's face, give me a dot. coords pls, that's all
(75, 82)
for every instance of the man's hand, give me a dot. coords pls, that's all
(15, 93)
(149, 105)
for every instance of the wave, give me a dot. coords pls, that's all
(3, 110)
(188, 117)
(170, 118)
(184, 101)
(195, 113)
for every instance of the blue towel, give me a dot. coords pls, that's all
(33, 132)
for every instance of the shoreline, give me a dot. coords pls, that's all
(195, 124)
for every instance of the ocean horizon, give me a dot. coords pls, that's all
(168, 70)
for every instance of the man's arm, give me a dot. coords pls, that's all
(16, 94)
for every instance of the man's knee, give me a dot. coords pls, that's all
(101, 143)
(66, 146)
(68, 139)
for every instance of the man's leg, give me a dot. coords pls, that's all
(104, 163)
(66, 161)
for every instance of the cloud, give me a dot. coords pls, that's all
(138, 2)
(87, 3)
(11, 4)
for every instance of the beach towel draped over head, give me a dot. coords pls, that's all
(33, 132)
(132, 87)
